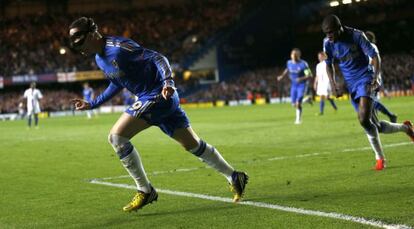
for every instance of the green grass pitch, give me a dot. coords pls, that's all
(321, 165)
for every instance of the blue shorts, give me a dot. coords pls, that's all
(296, 93)
(166, 114)
(360, 89)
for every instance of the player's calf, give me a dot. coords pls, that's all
(213, 158)
(131, 161)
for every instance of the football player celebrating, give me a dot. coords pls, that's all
(146, 74)
(350, 48)
(299, 74)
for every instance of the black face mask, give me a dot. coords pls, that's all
(77, 40)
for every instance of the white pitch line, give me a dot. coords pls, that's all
(333, 215)
(297, 156)
(267, 159)
(384, 146)
(157, 172)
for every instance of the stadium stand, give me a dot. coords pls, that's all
(37, 45)
(31, 45)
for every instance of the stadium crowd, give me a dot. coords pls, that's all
(398, 71)
(32, 45)
(398, 77)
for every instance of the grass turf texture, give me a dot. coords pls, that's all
(44, 172)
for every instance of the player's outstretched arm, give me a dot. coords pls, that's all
(106, 95)
(81, 104)
(280, 77)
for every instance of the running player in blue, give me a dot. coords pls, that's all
(350, 49)
(146, 74)
(88, 96)
(299, 73)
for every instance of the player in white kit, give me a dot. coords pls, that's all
(378, 105)
(322, 84)
(33, 96)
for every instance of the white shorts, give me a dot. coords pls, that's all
(323, 91)
(31, 111)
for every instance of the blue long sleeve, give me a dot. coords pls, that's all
(109, 92)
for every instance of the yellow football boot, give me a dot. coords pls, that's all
(141, 199)
(238, 185)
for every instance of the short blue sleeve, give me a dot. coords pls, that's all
(365, 45)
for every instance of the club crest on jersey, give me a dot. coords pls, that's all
(115, 64)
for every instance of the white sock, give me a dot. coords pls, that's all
(132, 163)
(388, 127)
(298, 115)
(214, 159)
(374, 140)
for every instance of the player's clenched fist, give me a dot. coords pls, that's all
(81, 104)
(167, 92)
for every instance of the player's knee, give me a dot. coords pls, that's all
(121, 145)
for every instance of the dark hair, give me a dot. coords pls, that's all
(84, 27)
(84, 24)
(371, 37)
(331, 23)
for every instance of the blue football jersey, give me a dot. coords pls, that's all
(128, 65)
(297, 70)
(88, 94)
(351, 52)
